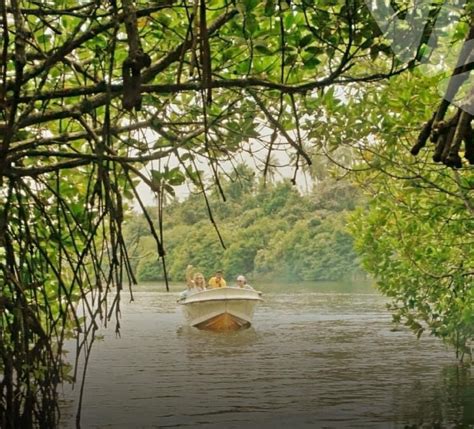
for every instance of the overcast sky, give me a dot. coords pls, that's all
(254, 156)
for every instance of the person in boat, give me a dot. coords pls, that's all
(217, 281)
(198, 282)
(194, 283)
(242, 283)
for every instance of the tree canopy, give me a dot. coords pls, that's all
(97, 95)
(416, 234)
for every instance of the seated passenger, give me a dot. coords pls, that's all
(194, 283)
(217, 281)
(199, 282)
(242, 282)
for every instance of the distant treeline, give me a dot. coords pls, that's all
(270, 231)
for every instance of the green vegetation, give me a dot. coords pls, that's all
(96, 96)
(271, 231)
(416, 235)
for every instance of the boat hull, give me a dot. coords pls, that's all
(224, 322)
(223, 309)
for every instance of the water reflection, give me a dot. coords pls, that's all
(314, 358)
(203, 344)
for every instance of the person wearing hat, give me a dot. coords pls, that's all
(217, 281)
(242, 282)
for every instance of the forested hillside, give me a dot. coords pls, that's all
(269, 230)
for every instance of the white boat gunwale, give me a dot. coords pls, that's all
(219, 299)
(190, 299)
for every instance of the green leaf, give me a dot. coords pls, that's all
(311, 63)
(263, 49)
(156, 175)
(290, 60)
(169, 189)
(306, 40)
(175, 177)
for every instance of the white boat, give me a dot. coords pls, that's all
(221, 309)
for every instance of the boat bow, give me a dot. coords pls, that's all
(220, 309)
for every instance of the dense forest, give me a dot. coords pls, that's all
(269, 230)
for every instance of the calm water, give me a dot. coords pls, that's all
(320, 355)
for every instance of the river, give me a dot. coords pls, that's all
(321, 355)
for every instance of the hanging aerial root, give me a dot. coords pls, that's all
(451, 157)
(469, 145)
(136, 61)
(449, 134)
(205, 53)
(423, 137)
(448, 137)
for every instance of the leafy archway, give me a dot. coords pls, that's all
(96, 95)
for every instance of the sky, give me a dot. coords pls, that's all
(254, 156)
